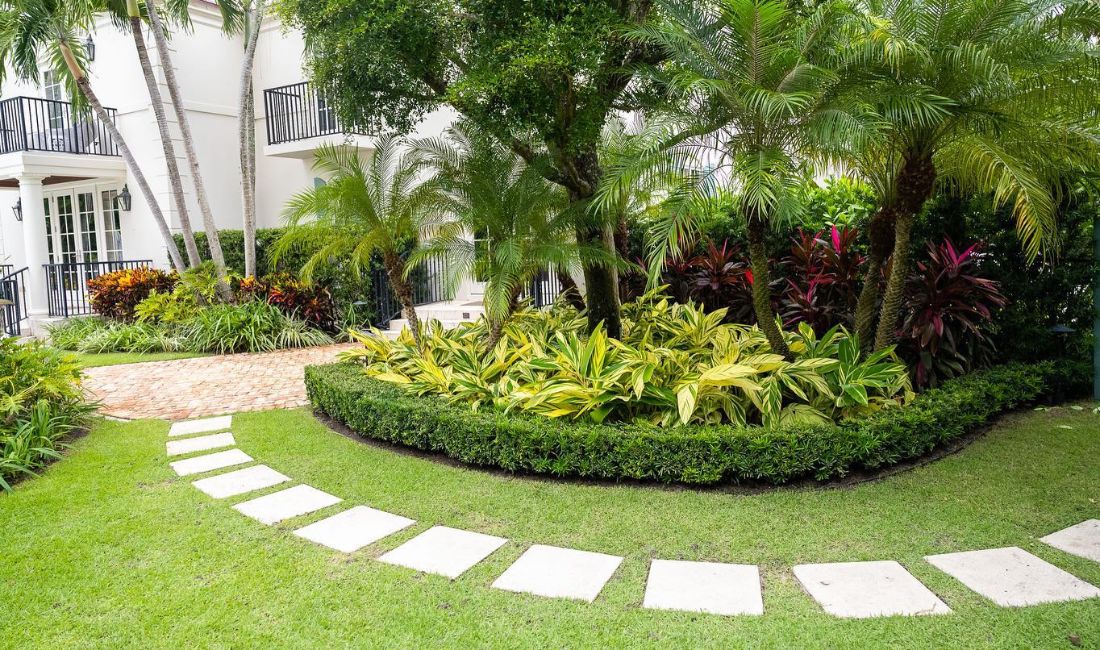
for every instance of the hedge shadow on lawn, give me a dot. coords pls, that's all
(690, 455)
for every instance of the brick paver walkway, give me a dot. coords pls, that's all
(188, 388)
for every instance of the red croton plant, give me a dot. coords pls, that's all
(294, 297)
(948, 307)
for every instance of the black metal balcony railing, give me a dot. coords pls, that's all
(32, 124)
(13, 299)
(67, 284)
(297, 112)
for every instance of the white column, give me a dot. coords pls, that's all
(34, 244)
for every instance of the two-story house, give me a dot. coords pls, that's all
(68, 209)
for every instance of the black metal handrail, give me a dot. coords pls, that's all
(67, 284)
(13, 299)
(34, 124)
(6, 269)
(297, 112)
(428, 285)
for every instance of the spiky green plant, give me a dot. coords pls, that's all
(362, 209)
(996, 97)
(489, 195)
(749, 101)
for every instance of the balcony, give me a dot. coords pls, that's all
(46, 125)
(298, 119)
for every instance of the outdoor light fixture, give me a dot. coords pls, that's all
(18, 209)
(123, 199)
(89, 48)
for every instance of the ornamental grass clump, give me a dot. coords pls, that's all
(675, 364)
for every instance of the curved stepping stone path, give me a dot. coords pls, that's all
(1010, 577)
(353, 529)
(704, 587)
(559, 573)
(868, 589)
(287, 504)
(1082, 540)
(444, 551)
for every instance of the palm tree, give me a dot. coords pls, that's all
(51, 28)
(160, 37)
(133, 17)
(253, 20)
(362, 210)
(487, 191)
(976, 97)
(748, 104)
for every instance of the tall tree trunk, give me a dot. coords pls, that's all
(881, 230)
(209, 226)
(157, 102)
(127, 155)
(761, 283)
(247, 134)
(395, 271)
(601, 286)
(914, 185)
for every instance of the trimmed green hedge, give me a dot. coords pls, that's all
(695, 455)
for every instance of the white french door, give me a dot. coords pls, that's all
(83, 226)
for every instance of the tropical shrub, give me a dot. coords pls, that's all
(41, 402)
(116, 294)
(295, 298)
(947, 310)
(675, 364)
(695, 454)
(253, 326)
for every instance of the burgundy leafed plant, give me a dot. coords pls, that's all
(948, 305)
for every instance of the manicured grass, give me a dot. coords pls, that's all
(91, 360)
(109, 549)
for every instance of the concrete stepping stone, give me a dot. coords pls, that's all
(868, 589)
(1012, 577)
(709, 587)
(202, 443)
(286, 504)
(444, 551)
(1082, 540)
(240, 481)
(210, 462)
(187, 427)
(353, 529)
(559, 573)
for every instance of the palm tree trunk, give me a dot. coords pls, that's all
(247, 134)
(213, 240)
(761, 284)
(881, 230)
(569, 289)
(913, 186)
(403, 290)
(193, 257)
(85, 87)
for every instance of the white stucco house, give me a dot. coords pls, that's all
(61, 176)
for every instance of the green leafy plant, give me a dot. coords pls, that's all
(41, 402)
(253, 326)
(675, 364)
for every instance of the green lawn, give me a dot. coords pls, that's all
(93, 360)
(108, 549)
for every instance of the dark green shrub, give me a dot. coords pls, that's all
(689, 454)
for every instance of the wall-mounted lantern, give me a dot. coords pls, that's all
(18, 209)
(89, 48)
(123, 199)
